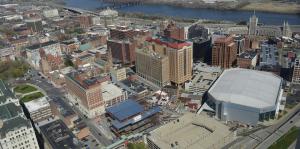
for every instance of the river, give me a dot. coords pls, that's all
(211, 14)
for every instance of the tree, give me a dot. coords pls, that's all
(68, 62)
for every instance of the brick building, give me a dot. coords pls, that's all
(224, 52)
(247, 59)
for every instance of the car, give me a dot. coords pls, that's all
(97, 144)
(94, 140)
(291, 121)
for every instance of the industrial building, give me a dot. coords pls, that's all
(190, 131)
(246, 96)
(130, 117)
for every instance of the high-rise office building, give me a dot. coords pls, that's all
(180, 55)
(253, 24)
(122, 45)
(123, 51)
(224, 52)
(296, 73)
(152, 66)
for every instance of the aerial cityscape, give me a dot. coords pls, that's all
(150, 74)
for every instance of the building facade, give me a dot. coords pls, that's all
(224, 52)
(86, 92)
(122, 45)
(152, 66)
(39, 109)
(180, 55)
(296, 73)
(247, 59)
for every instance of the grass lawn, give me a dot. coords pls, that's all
(32, 96)
(24, 88)
(137, 145)
(286, 140)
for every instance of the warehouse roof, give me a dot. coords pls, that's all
(247, 87)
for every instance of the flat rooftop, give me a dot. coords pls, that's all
(248, 55)
(59, 135)
(110, 91)
(172, 43)
(37, 104)
(191, 131)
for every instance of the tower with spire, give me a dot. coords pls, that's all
(286, 30)
(253, 24)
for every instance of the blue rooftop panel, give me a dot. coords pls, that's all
(150, 112)
(125, 109)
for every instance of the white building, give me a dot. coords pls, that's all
(16, 131)
(112, 94)
(39, 109)
(118, 74)
(50, 13)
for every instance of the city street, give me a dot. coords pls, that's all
(264, 138)
(59, 94)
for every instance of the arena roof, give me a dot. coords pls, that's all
(247, 87)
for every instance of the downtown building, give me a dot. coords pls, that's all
(16, 130)
(129, 117)
(224, 52)
(85, 90)
(171, 30)
(122, 45)
(296, 73)
(92, 93)
(180, 55)
(34, 56)
(153, 66)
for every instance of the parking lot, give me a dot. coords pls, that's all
(90, 143)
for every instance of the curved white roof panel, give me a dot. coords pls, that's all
(247, 87)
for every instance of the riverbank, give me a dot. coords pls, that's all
(275, 7)
(155, 17)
